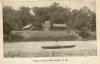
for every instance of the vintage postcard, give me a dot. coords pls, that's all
(53, 31)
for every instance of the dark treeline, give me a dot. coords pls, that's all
(75, 19)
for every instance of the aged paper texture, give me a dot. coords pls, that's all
(49, 31)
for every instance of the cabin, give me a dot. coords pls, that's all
(47, 26)
(29, 27)
(54, 27)
(59, 27)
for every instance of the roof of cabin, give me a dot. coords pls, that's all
(59, 25)
(28, 26)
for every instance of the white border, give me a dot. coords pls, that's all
(70, 60)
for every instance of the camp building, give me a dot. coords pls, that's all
(47, 26)
(29, 27)
(54, 27)
(59, 27)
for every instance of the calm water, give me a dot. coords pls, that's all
(36, 46)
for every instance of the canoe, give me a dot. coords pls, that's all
(57, 47)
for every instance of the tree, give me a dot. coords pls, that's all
(93, 21)
(80, 18)
(54, 13)
(59, 14)
(9, 17)
(25, 16)
(9, 23)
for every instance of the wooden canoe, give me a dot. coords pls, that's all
(57, 47)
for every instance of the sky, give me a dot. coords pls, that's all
(72, 4)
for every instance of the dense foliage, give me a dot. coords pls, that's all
(75, 19)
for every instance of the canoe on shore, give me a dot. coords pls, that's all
(57, 47)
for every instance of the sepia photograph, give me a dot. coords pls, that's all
(49, 28)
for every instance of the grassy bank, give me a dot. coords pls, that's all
(18, 36)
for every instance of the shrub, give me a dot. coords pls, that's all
(84, 34)
(42, 36)
(16, 37)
